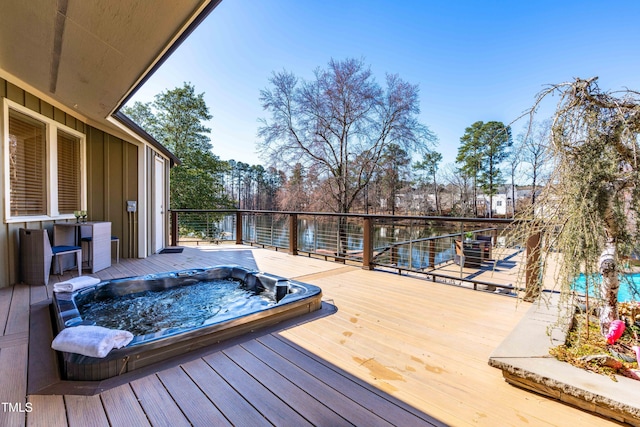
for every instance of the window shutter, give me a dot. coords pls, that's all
(68, 173)
(27, 165)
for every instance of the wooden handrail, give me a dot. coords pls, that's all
(369, 253)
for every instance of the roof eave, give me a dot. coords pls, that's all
(126, 121)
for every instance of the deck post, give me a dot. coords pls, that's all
(367, 244)
(532, 272)
(432, 253)
(293, 234)
(394, 248)
(238, 228)
(174, 228)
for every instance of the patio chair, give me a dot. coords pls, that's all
(459, 256)
(36, 255)
(487, 250)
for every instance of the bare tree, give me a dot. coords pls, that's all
(534, 152)
(294, 194)
(514, 163)
(461, 205)
(342, 121)
(590, 206)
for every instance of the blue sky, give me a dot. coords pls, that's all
(473, 60)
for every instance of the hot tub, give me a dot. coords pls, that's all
(280, 299)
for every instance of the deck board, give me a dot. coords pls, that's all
(6, 295)
(13, 375)
(350, 409)
(358, 391)
(272, 407)
(47, 411)
(157, 403)
(399, 349)
(235, 408)
(13, 339)
(38, 294)
(85, 411)
(315, 411)
(192, 402)
(18, 318)
(122, 407)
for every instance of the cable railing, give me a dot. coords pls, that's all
(469, 251)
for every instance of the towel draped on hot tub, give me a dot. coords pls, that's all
(75, 284)
(93, 341)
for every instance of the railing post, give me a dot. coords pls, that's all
(432, 253)
(367, 244)
(174, 228)
(315, 233)
(410, 257)
(293, 234)
(532, 272)
(462, 256)
(238, 228)
(393, 253)
(271, 233)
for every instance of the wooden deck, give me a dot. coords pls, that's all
(396, 350)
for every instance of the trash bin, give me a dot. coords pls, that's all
(35, 257)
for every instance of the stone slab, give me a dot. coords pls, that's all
(525, 361)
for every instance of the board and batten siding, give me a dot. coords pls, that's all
(112, 179)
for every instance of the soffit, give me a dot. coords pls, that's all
(89, 54)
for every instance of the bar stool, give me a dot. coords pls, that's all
(88, 240)
(117, 241)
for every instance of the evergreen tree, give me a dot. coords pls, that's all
(496, 140)
(429, 164)
(470, 158)
(394, 173)
(176, 119)
(484, 146)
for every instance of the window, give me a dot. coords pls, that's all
(27, 167)
(499, 203)
(44, 166)
(68, 173)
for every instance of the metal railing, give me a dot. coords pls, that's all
(442, 248)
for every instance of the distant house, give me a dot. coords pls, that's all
(66, 68)
(502, 204)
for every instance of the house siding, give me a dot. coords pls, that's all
(112, 179)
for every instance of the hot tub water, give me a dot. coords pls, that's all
(181, 307)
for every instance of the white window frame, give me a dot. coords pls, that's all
(52, 128)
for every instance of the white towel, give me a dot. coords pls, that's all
(75, 284)
(93, 341)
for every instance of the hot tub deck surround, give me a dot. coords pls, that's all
(397, 350)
